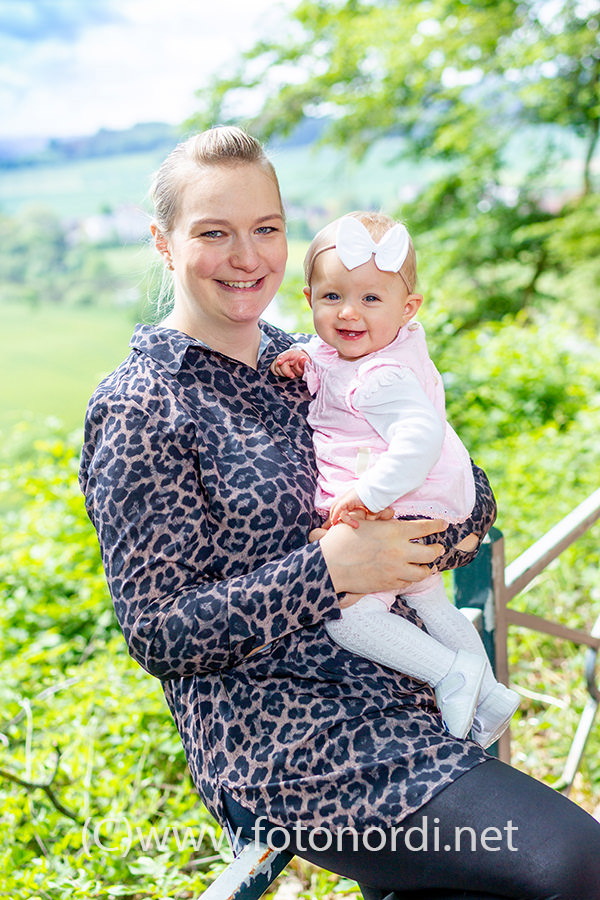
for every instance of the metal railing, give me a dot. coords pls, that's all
(491, 586)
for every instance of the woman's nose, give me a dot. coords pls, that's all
(244, 255)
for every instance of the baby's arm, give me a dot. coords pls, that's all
(396, 406)
(290, 363)
(349, 508)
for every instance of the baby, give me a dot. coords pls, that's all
(381, 439)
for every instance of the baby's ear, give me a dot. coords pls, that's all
(307, 294)
(412, 306)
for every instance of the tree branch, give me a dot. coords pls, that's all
(587, 173)
(46, 787)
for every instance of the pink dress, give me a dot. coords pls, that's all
(344, 439)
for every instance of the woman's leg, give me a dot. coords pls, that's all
(493, 833)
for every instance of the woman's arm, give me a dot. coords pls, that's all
(472, 531)
(179, 614)
(459, 543)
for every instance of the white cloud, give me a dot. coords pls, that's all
(142, 64)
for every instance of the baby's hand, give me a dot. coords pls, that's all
(349, 508)
(290, 363)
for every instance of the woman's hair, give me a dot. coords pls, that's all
(222, 145)
(376, 224)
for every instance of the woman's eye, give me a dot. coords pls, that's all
(211, 234)
(266, 229)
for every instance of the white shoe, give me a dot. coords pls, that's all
(458, 692)
(493, 715)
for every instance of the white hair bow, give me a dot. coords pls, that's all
(355, 245)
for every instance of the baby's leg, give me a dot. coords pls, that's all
(370, 630)
(447, 624)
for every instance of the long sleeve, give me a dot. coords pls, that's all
(199, 475)
(181, 610)
(396, 406)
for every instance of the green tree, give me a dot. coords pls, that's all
(558, 60)
(461, 82)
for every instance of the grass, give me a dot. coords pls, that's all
(52, 358)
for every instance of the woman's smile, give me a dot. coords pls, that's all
(243, 285)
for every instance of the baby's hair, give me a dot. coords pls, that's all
(377, 224)
(221, 145)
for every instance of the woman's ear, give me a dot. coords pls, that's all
(162, 245)
(411, 307)
(307, 294)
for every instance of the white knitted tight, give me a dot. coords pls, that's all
(369, 629)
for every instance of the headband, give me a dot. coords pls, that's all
(355, 246)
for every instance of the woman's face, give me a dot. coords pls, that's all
(228, 246)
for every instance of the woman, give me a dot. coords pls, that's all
(199, 477)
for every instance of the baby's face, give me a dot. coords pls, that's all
(357, 311)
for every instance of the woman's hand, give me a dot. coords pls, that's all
(380, 555)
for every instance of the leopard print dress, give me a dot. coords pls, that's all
(199, 477)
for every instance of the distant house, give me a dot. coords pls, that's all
(123, 225)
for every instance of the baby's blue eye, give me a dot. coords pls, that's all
(332, 296)
(371, 298)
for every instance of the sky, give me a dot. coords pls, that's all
(70, 67)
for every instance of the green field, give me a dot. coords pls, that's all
(312, 178)
(54, 355)
(51, 359)
(79, 188)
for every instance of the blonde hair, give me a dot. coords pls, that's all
(377, 224)
(221, 145)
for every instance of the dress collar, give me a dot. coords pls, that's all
(168, 346)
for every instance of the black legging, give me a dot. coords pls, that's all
(527, 842)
